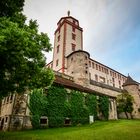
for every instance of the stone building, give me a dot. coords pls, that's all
(69, 58)
(74, 69)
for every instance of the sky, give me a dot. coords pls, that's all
(111, 29)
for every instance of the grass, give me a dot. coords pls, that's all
(111, 130)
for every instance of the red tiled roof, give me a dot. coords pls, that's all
(130, 81)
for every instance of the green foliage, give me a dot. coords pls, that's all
(56, 97)
(58, 105)
(38, 106)
(79, 113)
(125, 103)
(21, 59)
(91, 102)
(8, 8)
(63, 105)
(104, 106)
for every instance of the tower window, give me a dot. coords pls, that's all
(59, 31)
(73, 21)
(73, 36)
(73, 47)
(58, 38)
(73, 29)
(58, 49)
(57, 62)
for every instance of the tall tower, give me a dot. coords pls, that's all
(68, 38)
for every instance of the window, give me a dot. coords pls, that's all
(89, 63)
(96, 67)
(59, 31)
(99, 68)
(92, 65)
(102, 79)
(111, 73)
(58, 38)
(73, 47)
(57, 62)
(86, 57)
(110, 105)
(113, 79)
(6, 119)
(58, 49)
(73, 36)
(119, 82)
(71, 59)
(107, 71)
(102, 69)
(67, 121)
(43, 120)
(7, 99)
(73, 21)
(96, 77)
(89, 75)
(73, 29)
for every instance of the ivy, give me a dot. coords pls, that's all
(79, 112)
(91, 102)
(56, 97)
(104, 106)
(37, 106)
(58, 105)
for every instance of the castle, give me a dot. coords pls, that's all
(73, 69)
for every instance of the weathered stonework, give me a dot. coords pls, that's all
(134, 91)
(75, 70)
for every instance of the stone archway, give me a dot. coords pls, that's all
(2, 124)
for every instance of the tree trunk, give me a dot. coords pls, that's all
(126, 115)
(131, 115)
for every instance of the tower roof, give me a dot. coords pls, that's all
(130, 81)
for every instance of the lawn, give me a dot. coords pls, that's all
(111, 130)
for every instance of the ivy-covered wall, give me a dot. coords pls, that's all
(56, 97)
(59, 104)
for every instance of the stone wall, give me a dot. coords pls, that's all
(134, 91)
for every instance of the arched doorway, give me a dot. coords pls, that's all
(2, 124)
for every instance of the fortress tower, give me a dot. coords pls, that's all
(68, 38)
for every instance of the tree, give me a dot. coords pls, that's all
(9, 7)
(22, 63)
(125, 103)
(104, 106)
